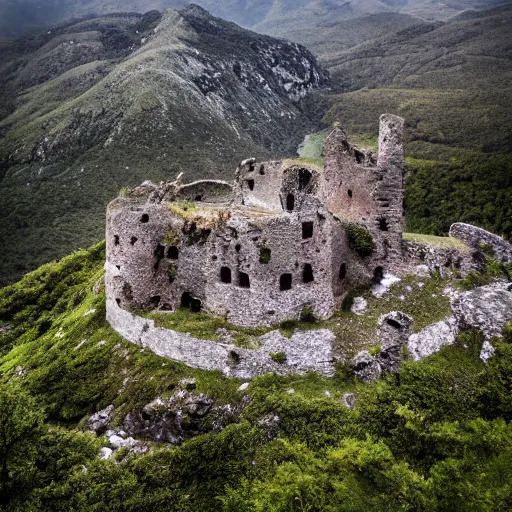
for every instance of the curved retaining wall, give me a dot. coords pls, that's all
(306, 351)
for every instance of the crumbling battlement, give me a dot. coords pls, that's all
(283, 238)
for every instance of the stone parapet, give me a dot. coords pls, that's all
(304, 352)
(477, 237)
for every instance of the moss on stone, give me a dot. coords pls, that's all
(360, 240)
(278, 357)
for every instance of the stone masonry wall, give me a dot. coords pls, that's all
(308, 351)
(474, 237)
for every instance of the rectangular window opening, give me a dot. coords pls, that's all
(307, 230)
(285, 282)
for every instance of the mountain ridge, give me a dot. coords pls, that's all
(190, 92)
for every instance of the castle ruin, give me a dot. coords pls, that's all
(285, 237)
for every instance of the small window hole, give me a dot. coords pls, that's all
(343, 271)
(262, 170)
(304, 178)
(225, 275)
(307, 274)
(145, 218)
(198, 198)
(155, 301)
(116, 239)
(383, 225)
(285, 282)
(290, 202)
(307, 230)
(378, 274)
(243, 280)
(133, 240)
(250, 184)
(173, 253)
(349, 192)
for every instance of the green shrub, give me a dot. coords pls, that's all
(360, 240)
(307, 315)
(278, 357)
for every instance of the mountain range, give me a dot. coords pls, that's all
(275, 17)
(108, 102)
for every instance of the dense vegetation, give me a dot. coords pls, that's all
(436, 437)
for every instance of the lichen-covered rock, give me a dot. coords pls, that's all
(432, 338)
(350, 400)
(99, 421)
(486, 308)
(366, 367)
(173, 420)
(479, 238)
(4, 329)
(394, 331)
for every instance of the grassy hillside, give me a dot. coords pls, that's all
(437, 438)
(110, 102)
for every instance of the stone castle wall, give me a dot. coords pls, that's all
(308, 351)
(474, 237)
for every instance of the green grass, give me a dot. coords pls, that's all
(206, 327)
(436, 241)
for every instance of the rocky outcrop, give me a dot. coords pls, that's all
(479, 238)
(99, 421)
(432, 338)
(366, 367)
(183, 415)
(394, 331)
(172, 420)
(488, 309)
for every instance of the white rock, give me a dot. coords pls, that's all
(106, 453)
(430, 339)
(116, 442)
(90, 312)
(101, 343)
(422, 271)
(359, 306)
(385, 284)
(487, 308)
(244, 386)
(487, 351)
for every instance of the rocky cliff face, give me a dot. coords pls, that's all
(113, 101)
